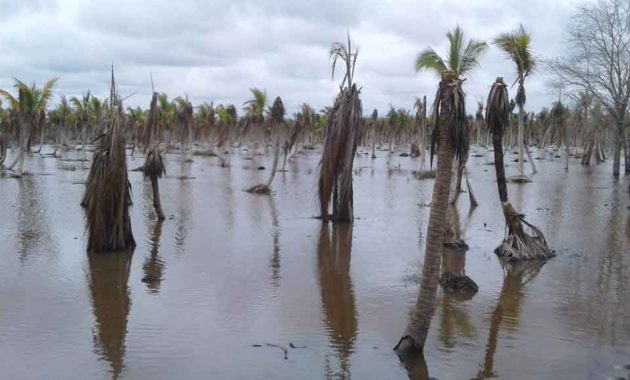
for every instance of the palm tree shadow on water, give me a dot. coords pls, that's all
(108, 279)
(333, 263)
(508, 309)
(153, 266)
(274, 261)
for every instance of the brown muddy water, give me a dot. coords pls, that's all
(231, 279)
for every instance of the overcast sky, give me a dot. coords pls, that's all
(216, 50)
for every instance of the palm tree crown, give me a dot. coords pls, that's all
(517, 45)
(461, 59)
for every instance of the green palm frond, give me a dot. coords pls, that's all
(430, 60)
(517, 46)
(460, 60)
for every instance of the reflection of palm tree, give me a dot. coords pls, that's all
(274, 263)
(516, 275)
(33, 224)
(336, 291)
(154, 265)
(109, 274)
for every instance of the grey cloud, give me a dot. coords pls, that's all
(217, 50)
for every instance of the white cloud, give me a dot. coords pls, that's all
(218, 50)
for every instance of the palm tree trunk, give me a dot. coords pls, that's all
(521, 142)
(276, 158)
(417, 330)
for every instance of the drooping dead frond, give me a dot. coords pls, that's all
(450, 100)
(108, 191)
(340, 144)
(498, 108)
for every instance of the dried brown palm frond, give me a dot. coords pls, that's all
(108, 191)
(518, 244)
(340, 145)
(153, 167)
(454, 99)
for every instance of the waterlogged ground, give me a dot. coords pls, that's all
(231, 279)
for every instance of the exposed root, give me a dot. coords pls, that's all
(458, 284)
(518, 244)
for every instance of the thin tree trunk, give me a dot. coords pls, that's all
(617, 157)
(418, 328)
(276, 158)
(521, 142)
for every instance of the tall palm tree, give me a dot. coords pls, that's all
(340, 142)
(517, 46)
(30, 106)
(451, 130)
(461, 60)
(276, 120)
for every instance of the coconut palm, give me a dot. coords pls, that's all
(184, 116)
(340, 142)
(254, 110)
(81, 115)
(518, 245)
(517, 46)
(30, 107)
(451, 131)
(461, 59)
(276, 120)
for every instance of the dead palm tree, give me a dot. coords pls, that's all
(153, 167)
(518, 244)
(107, 195)
(30, 107)
(451, 131)
(517, 45)
(340, 142)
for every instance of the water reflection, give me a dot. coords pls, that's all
(454, 316)
(109, 274)
(33, 223)
(507, 312)
(274, 262)
(333, 262)
(183, 219)
(153, 265)
(415, 364)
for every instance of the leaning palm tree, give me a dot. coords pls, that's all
(517, 45)
(277, 123)
(462, 59)
(107, 195)
(340, 142)
(30, 107)
(451, 131)
(518, 244)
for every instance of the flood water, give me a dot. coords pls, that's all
(230, 279)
